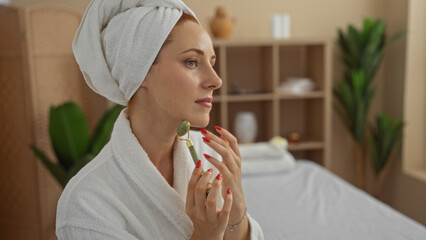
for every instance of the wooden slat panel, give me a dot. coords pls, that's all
(19, 199)
(55, 78)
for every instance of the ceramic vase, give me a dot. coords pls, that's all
(222, 25)
(245, 127)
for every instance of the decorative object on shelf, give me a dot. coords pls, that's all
(297, 85)
(222, 25)
(69, 135)
(245, 127)
(361, 53)
(279, 142)
(237, 90)
(4, 2)
(293, 137)
(280, 26)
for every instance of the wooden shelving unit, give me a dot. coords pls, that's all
(258, 67)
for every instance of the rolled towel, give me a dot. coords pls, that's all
(266, 157)
(262, 150)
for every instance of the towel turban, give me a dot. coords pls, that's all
(118, 40)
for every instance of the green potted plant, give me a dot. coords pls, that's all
(385, 138)
(71, 141)
(361, 53)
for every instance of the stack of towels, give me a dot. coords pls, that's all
(266, 157)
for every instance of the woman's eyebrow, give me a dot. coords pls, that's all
(199, 51)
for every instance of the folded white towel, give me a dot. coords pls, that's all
(262, 150)
(265, 157)
(118, 40)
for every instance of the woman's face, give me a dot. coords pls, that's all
(180, 85)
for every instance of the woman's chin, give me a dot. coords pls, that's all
(200, 122)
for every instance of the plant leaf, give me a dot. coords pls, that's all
(78, 165)
(385, 138)
(103, 129)
(69, 133)
(55, 169)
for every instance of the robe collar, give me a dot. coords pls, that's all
(134, 161)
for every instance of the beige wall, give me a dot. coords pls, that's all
(309, 17)
(404, 192)
(323, 18)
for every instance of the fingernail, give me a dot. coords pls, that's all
(218, 128)
(207, 156)
(219, 176)
(228, 191)
(198, 164)
(203, 131)
(206, 139)
(210, 170)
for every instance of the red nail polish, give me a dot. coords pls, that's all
(219, 176)
(228, 191)
(203, 131)
(207, 156)
(210, 170)
(206, 139)
(218, 128)
(198, 164)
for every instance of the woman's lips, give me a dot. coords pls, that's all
(206, 102)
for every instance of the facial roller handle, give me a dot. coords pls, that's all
(192, 151)
(195, 158)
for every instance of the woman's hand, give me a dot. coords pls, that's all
(227, 146)
(209, 222)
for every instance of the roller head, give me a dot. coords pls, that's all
(183, 128)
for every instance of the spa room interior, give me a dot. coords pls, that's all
(327, 99)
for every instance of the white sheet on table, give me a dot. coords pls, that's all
(308, 202)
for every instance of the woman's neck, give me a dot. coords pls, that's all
(155, 134)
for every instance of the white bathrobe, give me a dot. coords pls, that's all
(121, 195)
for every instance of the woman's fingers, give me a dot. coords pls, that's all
(196, 175)
(218, 164)
(225, 152)
(200, 191)
(226, 209)
(212, 199)
(231, 139)
(215, 138)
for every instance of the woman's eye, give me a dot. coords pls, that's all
(192, 63)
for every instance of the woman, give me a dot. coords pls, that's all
(155, 58)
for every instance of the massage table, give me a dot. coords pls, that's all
(308, 202)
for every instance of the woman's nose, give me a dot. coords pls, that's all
(212, 81)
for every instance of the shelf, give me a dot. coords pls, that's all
(304, 116)
(252, 71)
(308, 95)
(308, 145)
(250, 97)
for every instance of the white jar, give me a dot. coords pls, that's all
(5, 2)
(245, 125)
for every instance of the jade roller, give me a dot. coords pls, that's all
(183, 129)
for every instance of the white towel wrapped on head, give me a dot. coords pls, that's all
(118, 40)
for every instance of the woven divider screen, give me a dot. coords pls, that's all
(37, 71)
